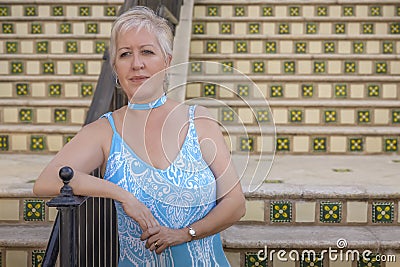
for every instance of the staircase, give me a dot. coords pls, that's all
(50, 59)
(330, 73)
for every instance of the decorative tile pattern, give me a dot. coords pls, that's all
(25, 115)
(252, 260)
(284, 28)
(100, 47)
(281, 211)
(34, 210)
(42, 47)
(17, 67)
(319, 144)
(300, 47)
(71, 47)
(329, 47)
(254, 28)
(282, 144)
(7, 28)
(319, 67)
(239, 11)
(247, 144)
(60, 115)
(311, 28)
(58, 11)
(110, 11)
(241, 47)
(311, 260)
(243, 90)
(30, 11)
(391, 145)
(270, 47)
(258, 67)
(4, 145)
(372, 262)
(11, 47)
(37, 143)
(48, 68)
(86, 89)
(68, 138)
(4, 11)
(368, 28)
(373, 90)
(209, 90)
(65, 28)
(196, 67)
(350, 67)
(84, 11)
(226, 28)
(92, 28)
(296, 116)
(381, 68)
(382, 212)
(396, 116)
(212, 11)
(79, 68)
(330, 116)
(358, 47)
(395, 28)
(322, 11)
(268, 11)
(262, 116)
(54, 89)
(212, 47)
(348, 11)
(36, 28)
(340, 28)
(228, 115)
(375, 11)
(22, 89)
(330, 212)
(289, 67)
(388, 48)
(198, 28)
(356, 144)
(294, 11)
(276, 91)
(364, 116)
(37, 258)
(227, 66)
(341, 90)
(307, 90)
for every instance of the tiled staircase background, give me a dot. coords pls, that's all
(330, 72)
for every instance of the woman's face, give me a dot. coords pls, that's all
(139, 57)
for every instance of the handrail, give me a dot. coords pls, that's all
(77, 215)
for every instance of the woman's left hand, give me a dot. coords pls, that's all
(160, 237)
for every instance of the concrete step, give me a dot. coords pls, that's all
(246, 245)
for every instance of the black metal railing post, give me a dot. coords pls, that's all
(66, 204)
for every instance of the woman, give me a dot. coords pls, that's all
(171, 174)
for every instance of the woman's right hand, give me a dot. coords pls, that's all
(139, 212)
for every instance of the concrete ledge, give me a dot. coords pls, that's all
(46, 103)
(311, 237)
(24, 236)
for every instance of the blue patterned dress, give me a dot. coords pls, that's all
(177, 196)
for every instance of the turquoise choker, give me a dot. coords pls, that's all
(153, 104)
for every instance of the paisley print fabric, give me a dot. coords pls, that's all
(177, 196)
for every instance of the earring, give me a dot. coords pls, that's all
(117, 84)
(166, 83)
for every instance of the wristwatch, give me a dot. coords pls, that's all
(192, 232)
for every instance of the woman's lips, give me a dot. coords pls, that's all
(137, 79)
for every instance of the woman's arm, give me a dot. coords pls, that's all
(84, 153)
(231, 201)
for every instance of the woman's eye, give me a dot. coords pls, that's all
(148, 52)
(125, 54)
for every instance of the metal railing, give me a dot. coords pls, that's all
(85, 230)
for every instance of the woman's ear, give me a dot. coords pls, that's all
(168, 61)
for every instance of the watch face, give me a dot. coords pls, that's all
(192, 232)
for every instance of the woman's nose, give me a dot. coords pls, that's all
(137, 63)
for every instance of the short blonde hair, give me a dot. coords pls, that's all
(137, 18)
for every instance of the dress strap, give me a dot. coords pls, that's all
(110, 119)
(191, 113)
